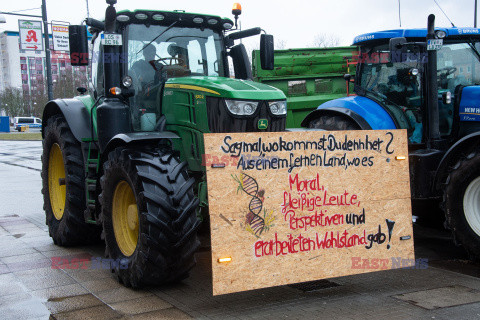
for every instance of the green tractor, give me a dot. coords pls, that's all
(123, 160)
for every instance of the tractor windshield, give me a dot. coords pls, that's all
(395, 83)
(157, 53)
(177, 52)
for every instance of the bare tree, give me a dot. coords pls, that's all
(280, 44)
(13, 102)
(17, 103)
(37, 104)
(323, 40)
(65, 85)
(250, 47)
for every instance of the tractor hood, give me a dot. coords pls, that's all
(227, 88)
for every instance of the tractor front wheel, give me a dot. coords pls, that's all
(461, 202)
(64, 186)
(149, 216)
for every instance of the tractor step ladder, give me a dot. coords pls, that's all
(91, 178)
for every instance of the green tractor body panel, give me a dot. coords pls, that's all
(184, 104)
(88, 101)
(229, 88)
(308, 77)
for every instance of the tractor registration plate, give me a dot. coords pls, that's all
(112, 39)
(434, 44)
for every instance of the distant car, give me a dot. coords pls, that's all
(32, 122)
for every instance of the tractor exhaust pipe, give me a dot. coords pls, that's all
(433, 129)
(112, 78)
(113, 116)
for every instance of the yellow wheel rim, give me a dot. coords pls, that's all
(125, 218)
(56, 181)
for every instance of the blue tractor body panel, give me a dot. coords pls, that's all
(369, 110)
(413, 33)
(469, 109)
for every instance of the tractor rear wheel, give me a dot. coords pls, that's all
(461, 202)
(149, 216)
(64, 186)
(333, 123)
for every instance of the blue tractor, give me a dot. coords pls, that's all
(426, 81)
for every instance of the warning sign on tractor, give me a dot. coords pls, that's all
(291, 207)
(31, 37)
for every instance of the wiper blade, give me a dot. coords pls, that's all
(168, 28)
(472, 46)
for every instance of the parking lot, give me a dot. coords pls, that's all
(34, 285)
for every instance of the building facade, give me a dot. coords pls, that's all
(26, 69)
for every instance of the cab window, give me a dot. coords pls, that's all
(96, 67)
(457, 65)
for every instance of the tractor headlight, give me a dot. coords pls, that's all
(440, 34)
(242, 108)
(278, 108)
(127, 81)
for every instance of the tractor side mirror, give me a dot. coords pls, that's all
(81, 90)
(241, 63)
(397, 49)
(78, 45)
(230, 39)
(348, 78)
(266, 52)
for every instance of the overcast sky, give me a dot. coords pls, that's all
(296, 23)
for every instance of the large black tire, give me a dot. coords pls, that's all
(333, 123)
(461, 202)
(166, 212)
(71, 228)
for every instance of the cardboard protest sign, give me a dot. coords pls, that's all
(292, 207)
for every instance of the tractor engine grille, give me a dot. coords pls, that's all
(220, 120)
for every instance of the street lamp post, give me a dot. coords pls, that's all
(47, 51)
(47, 43)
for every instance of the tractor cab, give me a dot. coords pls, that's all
(395, 77)
(163, 45)
(154, 50)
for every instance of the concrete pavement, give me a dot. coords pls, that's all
(32, 286)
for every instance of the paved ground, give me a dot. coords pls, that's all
(31, 289)
(29, 130)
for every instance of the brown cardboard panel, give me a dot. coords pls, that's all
(300, 206)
